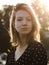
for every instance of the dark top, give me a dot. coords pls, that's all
(34, 54)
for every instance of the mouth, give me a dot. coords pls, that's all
(24, 28)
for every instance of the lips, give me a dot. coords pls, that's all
(24, 28)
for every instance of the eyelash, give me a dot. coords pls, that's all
(28, 19)
(20, 19)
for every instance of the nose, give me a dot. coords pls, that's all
(24, 22)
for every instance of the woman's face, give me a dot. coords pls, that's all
(23, 22)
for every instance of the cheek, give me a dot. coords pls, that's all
(30, 25)
(31, 28)
(17, 25)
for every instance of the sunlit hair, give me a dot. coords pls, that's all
(35, 33)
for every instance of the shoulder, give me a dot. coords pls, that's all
(38, 53)
(10, 55)
(11, 51)
(36, 45)
(38, 48)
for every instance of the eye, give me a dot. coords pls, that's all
(19, 19)
(28, 19)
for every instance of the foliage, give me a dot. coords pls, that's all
(43, 16)
(6, 15)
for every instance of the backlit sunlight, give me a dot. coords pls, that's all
(13, 2)
(46, 3)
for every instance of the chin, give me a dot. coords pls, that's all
(25, 33)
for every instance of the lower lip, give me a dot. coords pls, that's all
(24, 28)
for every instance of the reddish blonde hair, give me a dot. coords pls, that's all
(35, 34)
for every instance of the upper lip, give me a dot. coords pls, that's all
(24, 28)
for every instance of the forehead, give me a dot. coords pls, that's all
(22, 13)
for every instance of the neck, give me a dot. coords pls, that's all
(23, 39)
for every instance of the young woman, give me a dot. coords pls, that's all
(25, 37)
